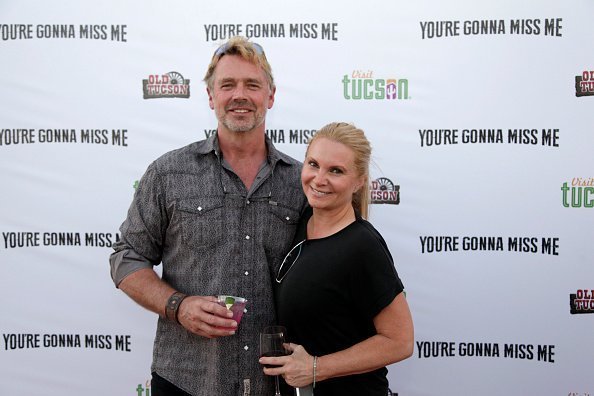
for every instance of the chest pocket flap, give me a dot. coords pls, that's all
(202, 221)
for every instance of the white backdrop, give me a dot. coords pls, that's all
(483, 169)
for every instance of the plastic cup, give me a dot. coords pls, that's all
(234, 304)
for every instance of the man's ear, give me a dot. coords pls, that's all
(271, 98)
(210, 101)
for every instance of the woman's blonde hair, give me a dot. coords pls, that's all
(354, 138)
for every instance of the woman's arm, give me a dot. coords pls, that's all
(393, 342)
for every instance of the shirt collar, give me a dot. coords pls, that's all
(211, 144)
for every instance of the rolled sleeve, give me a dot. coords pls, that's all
(125, 262)
(142, 233)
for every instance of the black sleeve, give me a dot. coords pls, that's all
(376, 282)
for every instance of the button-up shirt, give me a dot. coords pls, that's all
(193, 214)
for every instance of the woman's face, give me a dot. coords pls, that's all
(328, 177)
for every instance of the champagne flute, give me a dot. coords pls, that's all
(272, 340)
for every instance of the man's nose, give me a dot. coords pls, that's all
(239, 92)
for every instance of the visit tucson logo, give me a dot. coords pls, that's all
(364, 85)
(169, 85)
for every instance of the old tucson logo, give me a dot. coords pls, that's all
(582, 302)
(170, 85)
(383, 191)
(584, 84)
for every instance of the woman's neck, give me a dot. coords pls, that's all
(324, 223)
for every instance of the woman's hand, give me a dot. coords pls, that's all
(296, 368)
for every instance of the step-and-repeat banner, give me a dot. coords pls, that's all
(481, 119)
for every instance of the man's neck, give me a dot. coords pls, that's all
(242, 144)
(244, 152)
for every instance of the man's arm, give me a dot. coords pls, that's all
(140, 249)
(200, 315)
(147, 289)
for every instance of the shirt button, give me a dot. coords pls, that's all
(288, 218)
(246, 347)
(247, 202)
(245, 310)
(247, 237)
(246, 273)
(199, 208)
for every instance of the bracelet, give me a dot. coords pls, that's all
(173, 305)
(315, 365)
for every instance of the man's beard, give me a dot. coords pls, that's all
(249, 121)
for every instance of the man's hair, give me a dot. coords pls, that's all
(248, 50)
(354, 138)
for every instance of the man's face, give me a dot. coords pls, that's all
(240, 95)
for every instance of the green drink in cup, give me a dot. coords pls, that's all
(234, 304)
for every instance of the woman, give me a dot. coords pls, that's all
(338, 293)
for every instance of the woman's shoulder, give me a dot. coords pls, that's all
(368, 236)
(366, 229)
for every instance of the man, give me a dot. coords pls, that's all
(219, 214)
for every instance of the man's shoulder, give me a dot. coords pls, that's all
(289, 160)
(181, 157)
(289, 168)
(282, 157)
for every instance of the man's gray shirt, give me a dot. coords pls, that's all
(191, 213)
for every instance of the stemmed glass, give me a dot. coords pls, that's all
(272, 340)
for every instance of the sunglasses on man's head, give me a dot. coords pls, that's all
(222, 50)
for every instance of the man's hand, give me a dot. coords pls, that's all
(202, 315)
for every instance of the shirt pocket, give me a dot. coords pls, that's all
(283, 222)
(202, 221)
